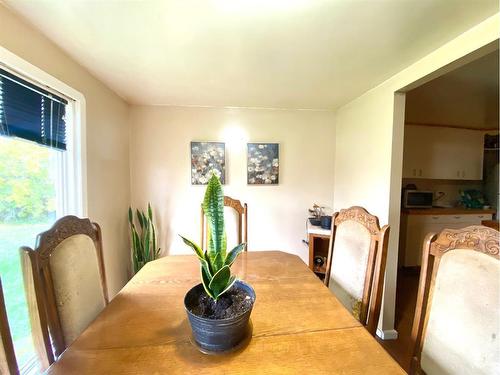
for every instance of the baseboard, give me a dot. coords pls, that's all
(388, 334)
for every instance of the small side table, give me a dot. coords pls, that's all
(319, 240)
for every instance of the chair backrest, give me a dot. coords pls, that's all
(356, 263)
(456, 326)
(69, 281)
(241, 211)
(8, 363)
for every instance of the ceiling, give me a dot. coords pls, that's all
(466, 97)
(251, 53)
(482, 73)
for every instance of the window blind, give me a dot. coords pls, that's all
(30, 112)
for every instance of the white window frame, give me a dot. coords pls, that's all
(73, 165)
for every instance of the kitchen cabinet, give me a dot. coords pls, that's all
(416, 227)
(442, 153)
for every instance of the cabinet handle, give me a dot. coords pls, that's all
(414, 172)
(435, 217)
(481, 216)
(420, 172)
(457, 217)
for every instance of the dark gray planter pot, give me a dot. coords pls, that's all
(219, 335)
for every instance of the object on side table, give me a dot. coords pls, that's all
(326, 222)
(315, 221)
(316, 211)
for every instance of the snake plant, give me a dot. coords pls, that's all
(144, 243)
(215, 261)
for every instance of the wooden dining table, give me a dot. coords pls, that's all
(299, 327)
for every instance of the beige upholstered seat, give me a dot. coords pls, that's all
(77, 284)
(69, 281)
(356, 263)
(462, 304)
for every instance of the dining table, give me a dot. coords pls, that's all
(298, 326)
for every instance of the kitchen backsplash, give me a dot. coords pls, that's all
(451, 188)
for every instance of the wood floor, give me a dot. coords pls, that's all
(406, 297)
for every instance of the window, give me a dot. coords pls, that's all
(40, 181)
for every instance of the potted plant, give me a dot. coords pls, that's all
(219, 307)
(144, 240)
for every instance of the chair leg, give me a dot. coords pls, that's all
(8, 362)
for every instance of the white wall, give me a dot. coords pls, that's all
(369, 141)
(160, 170)
(108, 184)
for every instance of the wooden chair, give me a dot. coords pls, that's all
(66, 287)
(242, 212)
(8, 363)
(356, 263)
(456, 329)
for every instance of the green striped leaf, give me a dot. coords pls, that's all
(233, 254)
(220, 281)
(150, 212)
(205, 280)
(232, 280)
(213, 206)
(193, 246)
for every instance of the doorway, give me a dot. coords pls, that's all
(445, 157)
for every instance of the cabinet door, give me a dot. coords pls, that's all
(418, 226)
(469, 154)
(442, 153)
(416, 153)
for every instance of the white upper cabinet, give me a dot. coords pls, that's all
(442, 153)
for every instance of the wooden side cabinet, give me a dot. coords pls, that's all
(319, 240)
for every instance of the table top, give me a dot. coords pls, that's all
(298, 326)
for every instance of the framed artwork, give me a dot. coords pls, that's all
(205, 158)
(263, 163)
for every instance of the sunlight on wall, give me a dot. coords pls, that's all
(234, 136)
(160, 173)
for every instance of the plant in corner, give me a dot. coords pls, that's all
(219, 308)
(144, 242)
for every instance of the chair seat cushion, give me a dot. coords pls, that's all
(462, 335)
(349, 263)
(77, 284)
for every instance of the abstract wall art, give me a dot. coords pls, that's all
(263, 163)
(205, 158)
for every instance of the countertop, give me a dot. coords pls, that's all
(447, 211)
(317, 230)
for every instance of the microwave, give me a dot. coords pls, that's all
(418, 199)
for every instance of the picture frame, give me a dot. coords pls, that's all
(263, 163)
(207, 157)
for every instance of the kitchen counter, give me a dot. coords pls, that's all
(448, 211)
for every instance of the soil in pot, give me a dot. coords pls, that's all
(231, 304)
